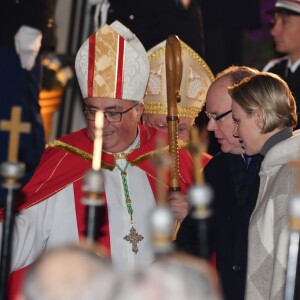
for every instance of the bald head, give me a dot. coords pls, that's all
(218, 107)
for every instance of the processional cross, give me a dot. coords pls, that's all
(15, 126)
(12, 171)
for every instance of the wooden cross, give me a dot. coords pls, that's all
(15, 126)
(134, 238)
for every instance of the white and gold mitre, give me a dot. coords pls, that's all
(196, 78)
(112, 63)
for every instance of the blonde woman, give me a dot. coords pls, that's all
(264, 113)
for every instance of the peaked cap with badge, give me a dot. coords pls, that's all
(289, 7)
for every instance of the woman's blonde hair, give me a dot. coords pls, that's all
(271, 95)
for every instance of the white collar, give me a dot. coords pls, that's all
(134, 145)
(293, 67)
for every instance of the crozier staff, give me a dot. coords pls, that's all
(174, 76)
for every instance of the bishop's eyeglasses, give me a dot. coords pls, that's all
(219, 117)
(110, 116)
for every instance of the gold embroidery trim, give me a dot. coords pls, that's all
(89, 157)
(49, 195)
(84, 155)
(51, 175)
(154, 153)
(162, 108)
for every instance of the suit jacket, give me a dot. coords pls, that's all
(229, 223)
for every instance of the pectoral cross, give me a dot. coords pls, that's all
(15, 126)
(134, 238)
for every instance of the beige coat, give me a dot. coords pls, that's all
(268, 228)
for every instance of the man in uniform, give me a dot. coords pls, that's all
(285, 32)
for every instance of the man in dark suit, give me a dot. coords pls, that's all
(235, 183)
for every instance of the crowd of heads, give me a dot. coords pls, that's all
(80, 273)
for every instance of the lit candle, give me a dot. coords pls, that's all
(96, 165)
